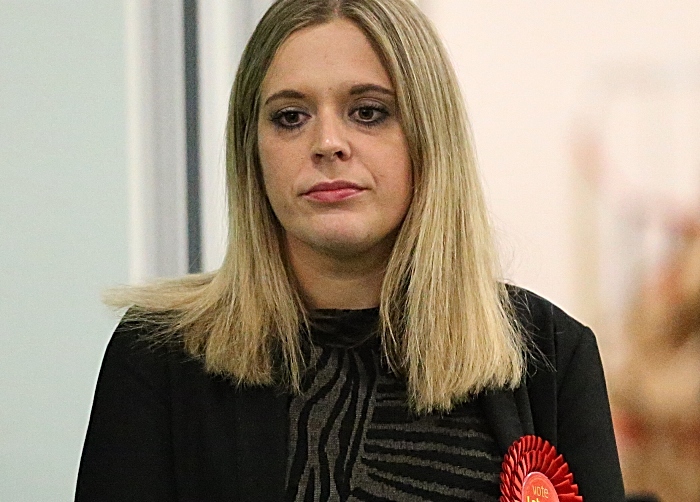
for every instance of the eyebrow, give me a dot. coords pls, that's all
(363, 88)
(354, 91)
(286, 93)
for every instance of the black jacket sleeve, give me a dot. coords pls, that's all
(127, 452)
(584, 428)
(569, 399)
(567, 396)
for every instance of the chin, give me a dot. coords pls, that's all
(343, 240)
(343, 246)
(354, 246)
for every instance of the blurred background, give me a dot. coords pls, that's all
(586, 117)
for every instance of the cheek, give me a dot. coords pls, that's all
(398, 189)
(270, 159)
(280, 162)
(406, 190)
(402, 176)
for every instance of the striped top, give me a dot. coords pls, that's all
(353, 437)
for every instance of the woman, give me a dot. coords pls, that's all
(356, 343)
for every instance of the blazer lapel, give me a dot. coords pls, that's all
(508, 414)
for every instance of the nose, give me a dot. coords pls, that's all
(330, 142)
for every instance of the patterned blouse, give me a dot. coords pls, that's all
(353, 437)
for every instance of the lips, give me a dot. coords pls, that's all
(332, 191)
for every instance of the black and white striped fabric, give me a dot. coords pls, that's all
(352, 436)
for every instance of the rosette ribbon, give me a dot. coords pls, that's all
(533, 472)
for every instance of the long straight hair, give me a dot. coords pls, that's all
(447, 324)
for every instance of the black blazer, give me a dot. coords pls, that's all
(162, 429)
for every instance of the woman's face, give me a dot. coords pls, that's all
(334, 157)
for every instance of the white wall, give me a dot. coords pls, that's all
(529, 71)
(156, 139)
(63, 230)
(224, 29)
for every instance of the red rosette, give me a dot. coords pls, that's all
(532, 454)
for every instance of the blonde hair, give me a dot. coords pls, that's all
(446, 321)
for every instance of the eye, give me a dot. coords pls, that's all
(288, 118)
(370, 115)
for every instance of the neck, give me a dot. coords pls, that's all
(338, 282)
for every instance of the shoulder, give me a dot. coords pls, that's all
(553, 335)
(539, 316)
(145, 334)
(141, 348)
(567, 395)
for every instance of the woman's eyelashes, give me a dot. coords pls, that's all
(289, 118)
(370, 115)
(366, 115)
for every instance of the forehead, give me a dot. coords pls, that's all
(329, 54)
